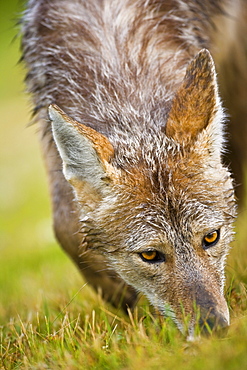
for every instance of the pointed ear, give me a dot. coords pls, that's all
(85, 154)
(196, 106)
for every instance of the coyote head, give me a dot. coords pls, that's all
(157, 201)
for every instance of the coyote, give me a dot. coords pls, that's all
(131, 124)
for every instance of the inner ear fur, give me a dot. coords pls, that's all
(86, 154)
(196, 104)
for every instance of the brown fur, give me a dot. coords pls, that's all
(142, 149)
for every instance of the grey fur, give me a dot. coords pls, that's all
(117, 66)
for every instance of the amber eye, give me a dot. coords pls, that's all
(152, 256)
(211, 239)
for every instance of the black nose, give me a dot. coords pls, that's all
(213, 321)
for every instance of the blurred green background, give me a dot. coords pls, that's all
(23, 198)
(29, 254)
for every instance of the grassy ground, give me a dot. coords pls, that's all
(49, 319)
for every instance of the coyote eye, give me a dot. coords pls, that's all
(210, 239)
(152, 256)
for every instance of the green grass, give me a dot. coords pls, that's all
(49, 318)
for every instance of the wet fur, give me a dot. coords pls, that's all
(117, 67)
